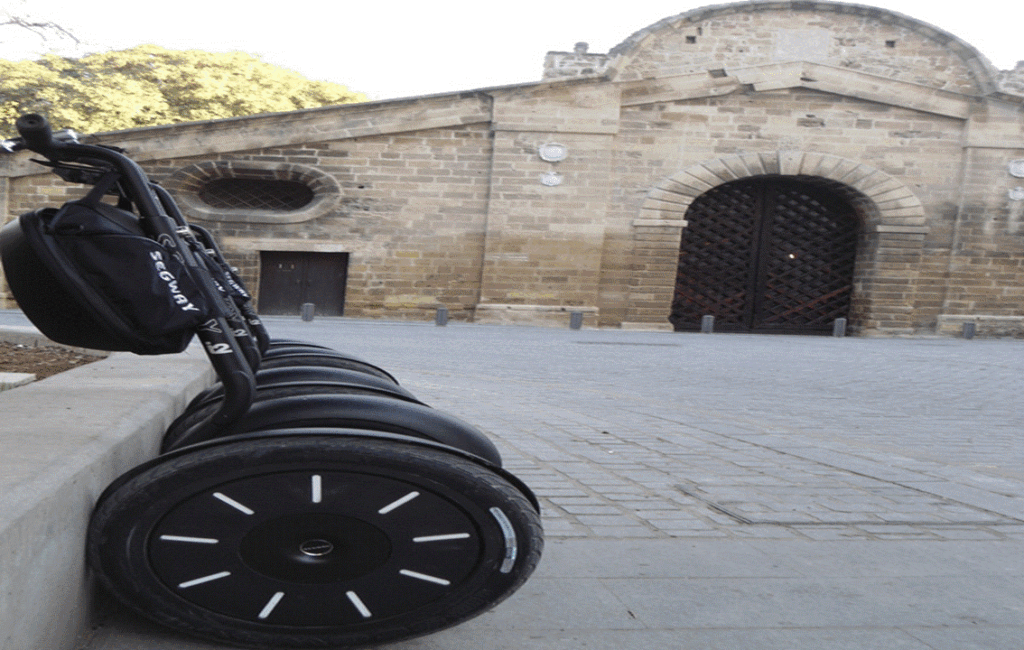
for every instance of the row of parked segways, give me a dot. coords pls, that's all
(306, 499)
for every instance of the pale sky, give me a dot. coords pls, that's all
(389, 48)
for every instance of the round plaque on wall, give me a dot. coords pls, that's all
(554, 152)
(551, 179)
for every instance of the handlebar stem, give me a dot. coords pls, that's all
(230, 363)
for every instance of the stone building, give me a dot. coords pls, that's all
(776, 165)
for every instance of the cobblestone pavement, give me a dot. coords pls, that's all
(646, 435)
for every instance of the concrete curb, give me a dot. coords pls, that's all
(9, 380)
(64, 439)
(30, 337)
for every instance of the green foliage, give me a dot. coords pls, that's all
(149, 85)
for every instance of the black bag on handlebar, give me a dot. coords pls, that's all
(86, 275)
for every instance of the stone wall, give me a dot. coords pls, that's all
(410, 215)
(922, 151)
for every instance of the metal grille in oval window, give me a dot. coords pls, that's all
(256, 194)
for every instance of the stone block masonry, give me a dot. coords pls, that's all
(447, 200)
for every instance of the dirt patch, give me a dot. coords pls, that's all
(42, 361)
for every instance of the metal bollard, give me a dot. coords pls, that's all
(576, 320)
(308, 309)
(441, 317)
(969, 330)
(839, 328)
(707, 324)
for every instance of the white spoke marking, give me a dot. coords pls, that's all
(425, 577)
(234, 504)
(396, 504)
(209, 578)
(317, 489)
(193, 540)
(358, 603)
(440, 538)
(271, 604)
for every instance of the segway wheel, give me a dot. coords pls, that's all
(281, 343)
(313, 541)
(201, 411)
(288, 357)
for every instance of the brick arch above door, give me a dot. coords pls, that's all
(892, 218)
(884, 199)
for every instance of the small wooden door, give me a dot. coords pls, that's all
(288, 279)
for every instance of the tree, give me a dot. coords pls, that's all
(44, 31)
(150, 85)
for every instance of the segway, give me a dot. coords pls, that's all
(306, 500)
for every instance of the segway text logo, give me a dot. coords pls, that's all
(172, 282)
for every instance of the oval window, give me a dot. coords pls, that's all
(256, 194)
(251, 191)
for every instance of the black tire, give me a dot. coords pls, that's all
(314, 541)
(298, 374)
(284, 348)
(313, 375)
(199, 411)
(280, 343)
(364, 412)
(325, 358)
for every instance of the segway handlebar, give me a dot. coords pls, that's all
(228, 359)
(37, 135)
(35, 131)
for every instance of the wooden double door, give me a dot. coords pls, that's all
(766, 254)
(288, 279)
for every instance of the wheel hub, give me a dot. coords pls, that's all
(315, 548)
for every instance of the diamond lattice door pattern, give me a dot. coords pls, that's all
(766, 254)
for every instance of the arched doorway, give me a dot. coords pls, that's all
(767, 254)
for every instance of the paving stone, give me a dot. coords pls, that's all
(891, 499)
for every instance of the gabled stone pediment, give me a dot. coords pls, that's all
(797, 74)
(847, 35)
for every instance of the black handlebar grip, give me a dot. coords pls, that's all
(35, 130)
